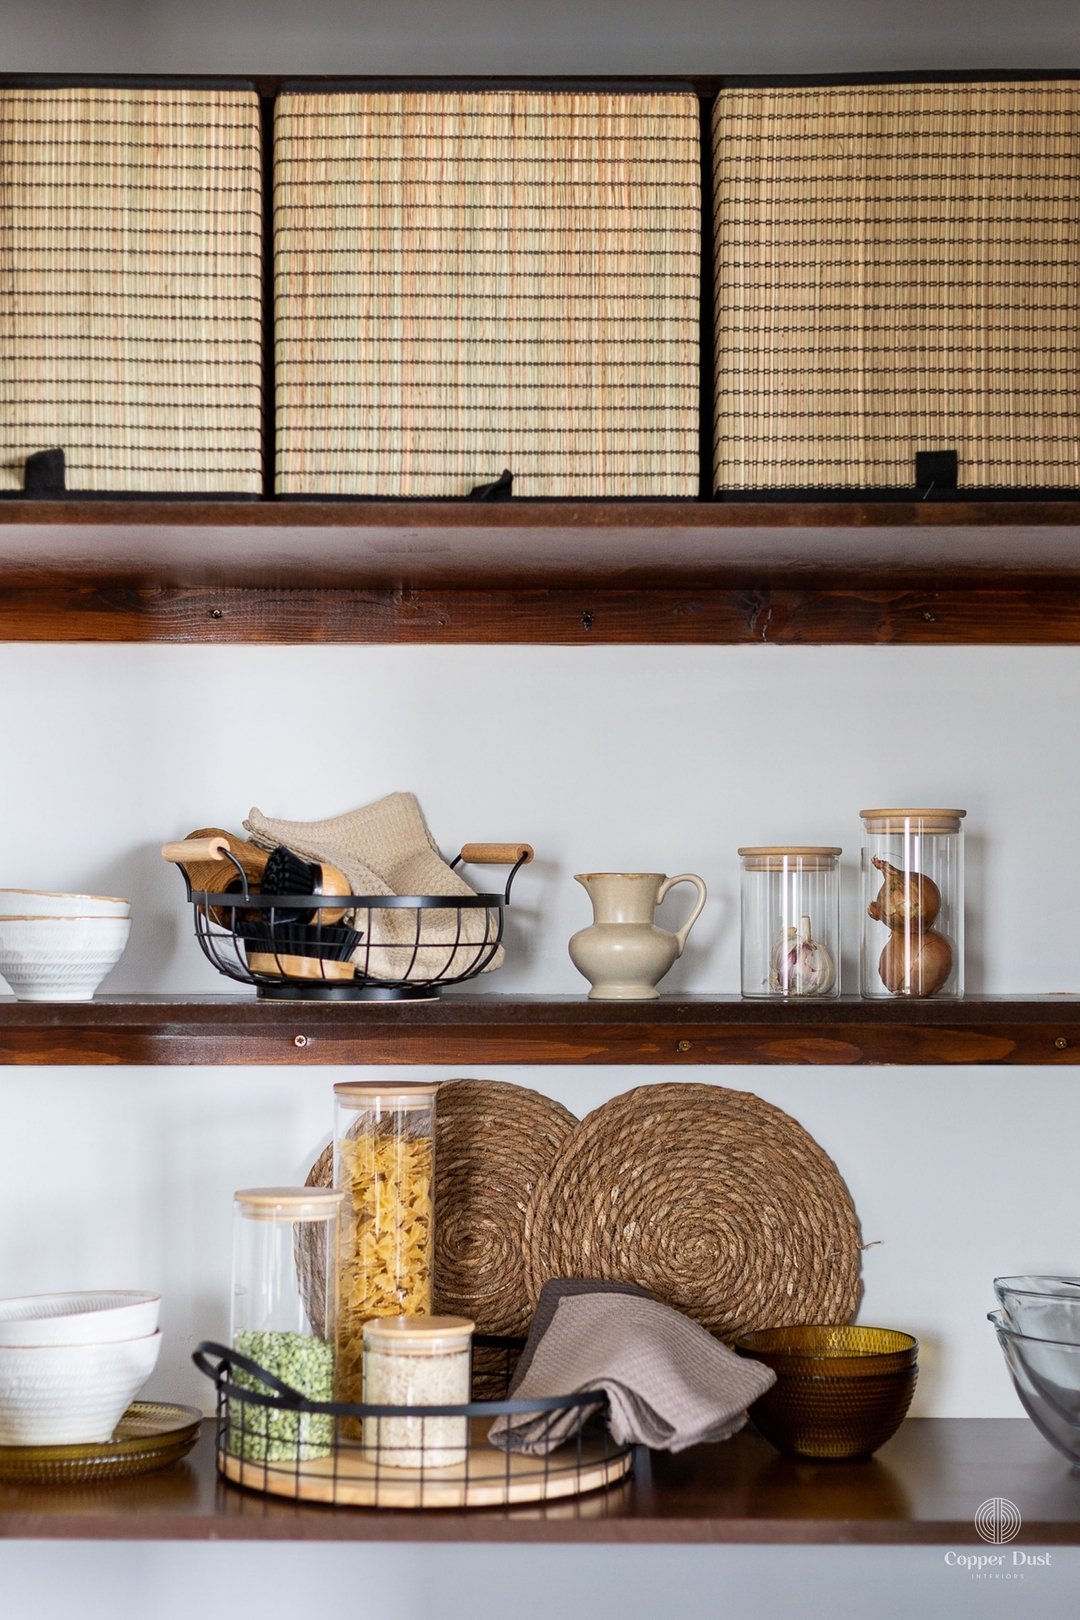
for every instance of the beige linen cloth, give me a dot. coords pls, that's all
(385, 848)
(669, 1383)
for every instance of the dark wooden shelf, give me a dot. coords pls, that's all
(492, 1029)
(565, 572)
(922, 1488)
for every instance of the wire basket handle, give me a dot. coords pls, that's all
(513, 855)
(218, 1363)
(195, 849)
(497, 854)
(223, 1358)
(188, 852)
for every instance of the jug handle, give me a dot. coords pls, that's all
(669, 884)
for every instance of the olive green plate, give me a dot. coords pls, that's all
(150, 1435)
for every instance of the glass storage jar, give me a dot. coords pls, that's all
(790, 906)
(912, 903)
(283, 1317)
(384, 1142)
(417, 1361)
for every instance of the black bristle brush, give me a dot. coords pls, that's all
(288, 874)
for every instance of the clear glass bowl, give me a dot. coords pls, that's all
(1046, 1376)
(1041, 1307)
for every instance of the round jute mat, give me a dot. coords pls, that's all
(494, 1142)
(715, 1201)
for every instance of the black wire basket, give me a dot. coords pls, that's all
(295, 946)
(270, 1438)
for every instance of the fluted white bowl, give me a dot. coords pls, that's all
(70, 1394)
(60, 958)
(51, 903)
(95, 1317)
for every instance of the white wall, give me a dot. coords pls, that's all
(282, 1582)
(513, 36)
(666, 759)
(639, 757)
(604, 758)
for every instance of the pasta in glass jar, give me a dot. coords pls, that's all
(384, 1164)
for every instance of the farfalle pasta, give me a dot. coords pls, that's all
(386, 1251)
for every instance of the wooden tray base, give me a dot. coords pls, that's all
(495, 1478)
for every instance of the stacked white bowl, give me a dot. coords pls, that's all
(1038, 1329)
(59, 947)
(71, 1364)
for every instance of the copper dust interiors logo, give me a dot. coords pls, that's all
(998, 1520)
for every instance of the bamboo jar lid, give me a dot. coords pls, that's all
(418, 1335)
(918, 821)
(777, 857)
(289, 1203)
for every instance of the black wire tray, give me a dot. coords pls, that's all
(272, 1439)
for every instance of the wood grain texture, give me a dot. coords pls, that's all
(922, 1488)
(480, 1030)
(563, 573)
(465, 515)
(901, 614)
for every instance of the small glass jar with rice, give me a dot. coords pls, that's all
(422, 1362)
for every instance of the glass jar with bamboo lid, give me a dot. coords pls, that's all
(913, 903)
(284, 1316)
(384, 1152)
(790, 910)
(421, 1362)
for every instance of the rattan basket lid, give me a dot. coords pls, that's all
(494, 1143)
(717, 1202)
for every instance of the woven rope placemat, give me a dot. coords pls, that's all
(715, 1201)
(494, 1143)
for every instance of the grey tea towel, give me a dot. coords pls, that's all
(669, 1383)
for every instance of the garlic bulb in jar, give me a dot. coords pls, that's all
(801, 965)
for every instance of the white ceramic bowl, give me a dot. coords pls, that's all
(60, 958)
(46, 903)
(81, 1318)
(70, 1394)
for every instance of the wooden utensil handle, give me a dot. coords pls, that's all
(333, 881)
(195, 849)
(496, 854)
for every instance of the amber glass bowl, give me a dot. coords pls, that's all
(840, 1391)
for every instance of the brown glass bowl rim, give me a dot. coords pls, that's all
(834, 1369)
(871, 1383)
(777, 1342)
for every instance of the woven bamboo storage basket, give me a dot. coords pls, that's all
(896, 271)
(472, 281)
(131, 315)
(715, 1201)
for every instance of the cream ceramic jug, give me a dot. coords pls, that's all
(623, 954)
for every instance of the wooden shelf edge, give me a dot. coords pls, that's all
(922, 1489)
(686, 1032)
(635, 513)
(571, 614)
(545, 572)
